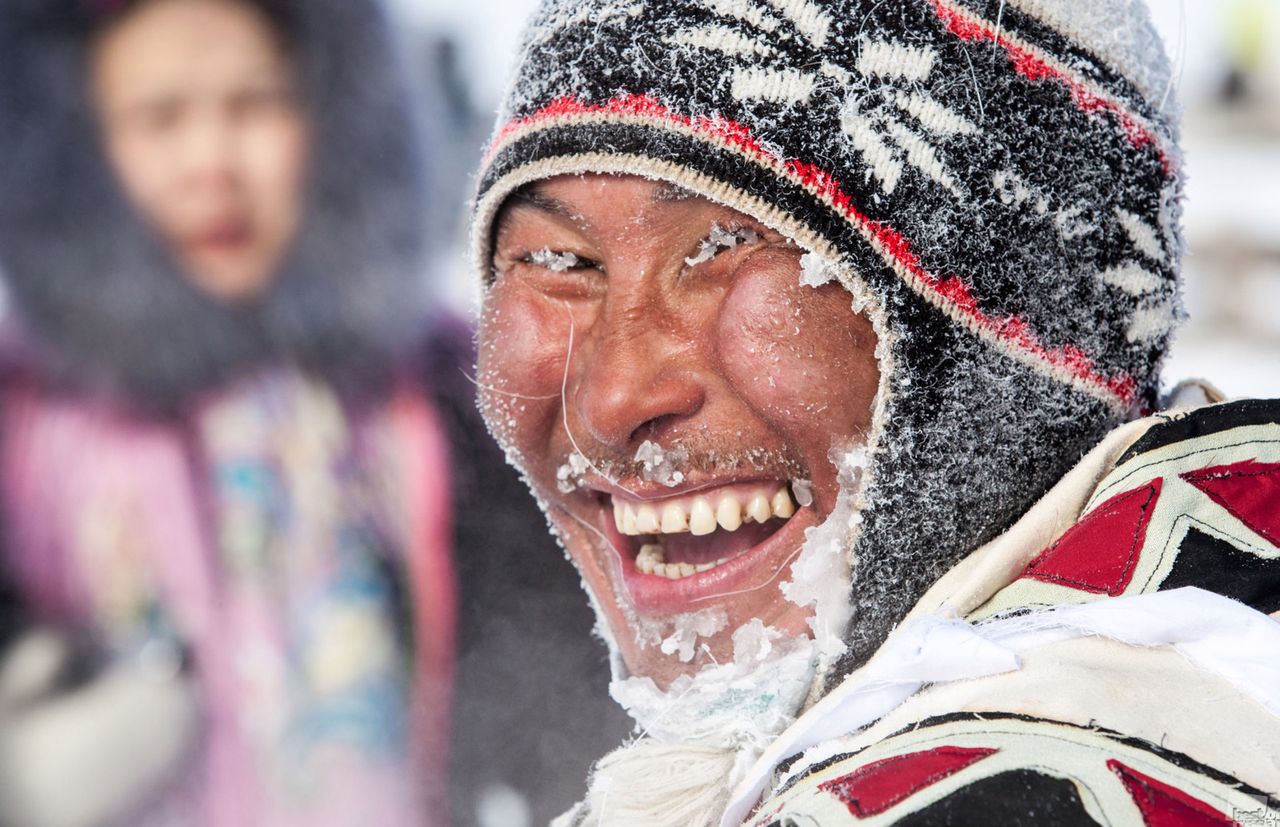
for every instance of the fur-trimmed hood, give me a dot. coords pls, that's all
(99, 304)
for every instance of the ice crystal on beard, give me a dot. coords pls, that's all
(820, 575)
(554, 261)
(743, 703)
(569, 475)
(658, 465)
(803, 491)
(690, 627)
(720, 239)
(815, 270)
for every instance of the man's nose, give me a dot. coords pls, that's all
(635, 379)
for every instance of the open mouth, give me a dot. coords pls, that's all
(679, 537)
(679, 550)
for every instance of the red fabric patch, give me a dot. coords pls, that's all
(1098, 554)
(1250, 490)
(1163, 805)
(872, 789)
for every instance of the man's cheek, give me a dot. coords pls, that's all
(520, 367)
(770, 353)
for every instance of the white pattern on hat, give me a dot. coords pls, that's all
(808, 18)
(745, 11)
(779, 85)
(721, 39)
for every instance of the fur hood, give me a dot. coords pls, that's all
(99, 304)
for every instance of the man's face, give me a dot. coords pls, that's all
(628, 315)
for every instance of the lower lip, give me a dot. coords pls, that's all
(755, 568)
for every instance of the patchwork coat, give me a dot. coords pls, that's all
(1113, 658)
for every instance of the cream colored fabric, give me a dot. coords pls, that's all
(1088, 681)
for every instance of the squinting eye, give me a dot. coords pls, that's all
(721, 239)
(557, 261)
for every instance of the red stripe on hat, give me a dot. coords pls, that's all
(950, 293)
(1035, 67)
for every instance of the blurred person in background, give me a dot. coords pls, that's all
(223, 472)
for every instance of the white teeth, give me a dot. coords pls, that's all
(674, 520)
(702, 514)
(702, 520)
(782, 505)
(652, 560)
(729, 514)
(646, 520)
(650, 557)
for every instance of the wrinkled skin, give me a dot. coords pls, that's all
(731, 360)
(198, 114)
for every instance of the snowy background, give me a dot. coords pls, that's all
(1227, 59)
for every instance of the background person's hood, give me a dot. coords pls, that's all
(997, 182)
(100, 304)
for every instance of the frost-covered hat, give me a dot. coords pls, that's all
(996, 182)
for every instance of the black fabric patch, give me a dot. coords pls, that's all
(1215, 565)
(1016, 797)
(1204, 422)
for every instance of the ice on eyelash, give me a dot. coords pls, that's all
(815, 270)
(554, 261)
(721, 239)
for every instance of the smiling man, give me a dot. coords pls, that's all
(704, 384)
(799, 318)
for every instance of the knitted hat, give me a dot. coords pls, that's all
(995, 180)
